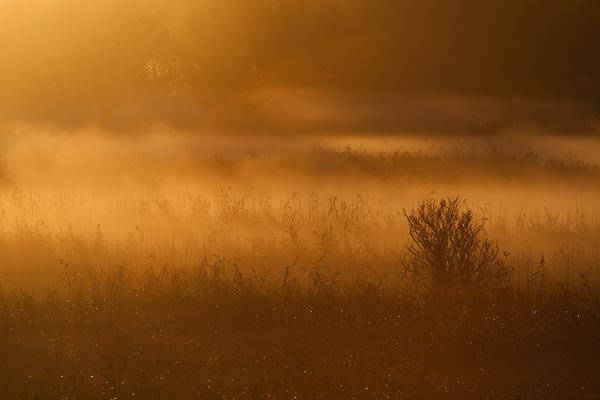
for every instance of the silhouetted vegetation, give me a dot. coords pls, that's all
(341, 318)
(299, 199)
(449, 250)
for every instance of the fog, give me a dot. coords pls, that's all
(89, 176)
(257, 199)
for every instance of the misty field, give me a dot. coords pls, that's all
(299, 199)
(312, 274)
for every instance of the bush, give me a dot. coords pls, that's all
(449, 250)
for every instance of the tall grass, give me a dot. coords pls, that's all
(248, 294)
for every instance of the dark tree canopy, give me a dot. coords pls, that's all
(69, 57)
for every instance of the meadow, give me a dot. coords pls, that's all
(163, 270)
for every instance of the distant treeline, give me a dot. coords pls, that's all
(70, 62)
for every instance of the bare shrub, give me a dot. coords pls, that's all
(449, 249)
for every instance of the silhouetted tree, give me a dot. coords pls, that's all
(449, 250)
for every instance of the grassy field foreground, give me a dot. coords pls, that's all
(455, 326)
(310, 297)
(225, 337)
